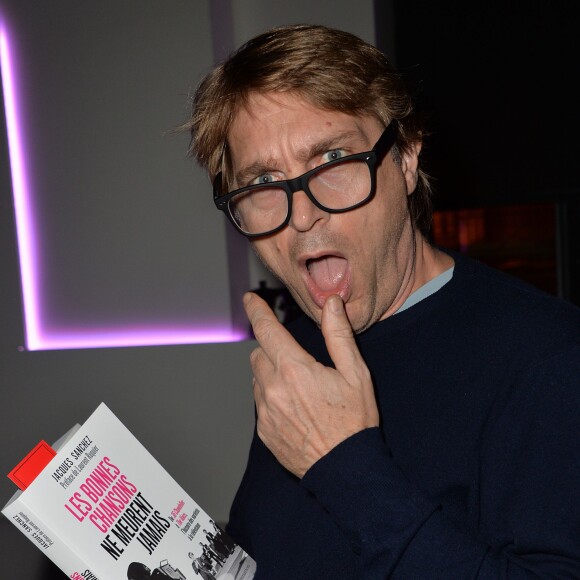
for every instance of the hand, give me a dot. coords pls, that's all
(305, 408)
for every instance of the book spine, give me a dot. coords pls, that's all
(51, 545)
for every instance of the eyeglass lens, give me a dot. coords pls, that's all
(335, 187)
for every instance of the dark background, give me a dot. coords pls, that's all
(498, 83)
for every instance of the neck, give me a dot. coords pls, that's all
(429, 262)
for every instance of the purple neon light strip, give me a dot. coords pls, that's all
(123, 337)
(36, 337)
(24, 215)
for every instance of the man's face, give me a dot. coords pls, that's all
(365, 255)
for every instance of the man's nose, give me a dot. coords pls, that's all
(304, 213)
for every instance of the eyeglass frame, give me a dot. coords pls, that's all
(290, 186)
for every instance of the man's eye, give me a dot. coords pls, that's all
(333, 155)
(261, 179)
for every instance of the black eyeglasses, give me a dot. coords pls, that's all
(335, 187)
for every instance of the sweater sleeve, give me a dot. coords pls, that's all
(396, 529)
(530, 479)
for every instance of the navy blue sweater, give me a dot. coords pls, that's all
(475, 470)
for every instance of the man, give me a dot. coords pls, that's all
(423, 421)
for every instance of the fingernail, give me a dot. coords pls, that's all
(247, 297)
(335, 304)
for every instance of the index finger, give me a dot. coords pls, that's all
(268, 330)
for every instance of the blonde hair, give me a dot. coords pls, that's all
(332, 69)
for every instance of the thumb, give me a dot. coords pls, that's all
(339, 339)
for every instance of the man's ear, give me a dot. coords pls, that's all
(410, 165)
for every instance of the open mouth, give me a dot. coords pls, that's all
(327, 272)
(327, 275)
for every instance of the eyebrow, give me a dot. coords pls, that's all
(251, 171)
(263, 166)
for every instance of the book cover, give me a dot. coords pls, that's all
(104, 509)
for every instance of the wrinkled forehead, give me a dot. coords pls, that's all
(256, 114)
(259, 107)
(267, 124)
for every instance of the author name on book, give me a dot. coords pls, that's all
(75, 462)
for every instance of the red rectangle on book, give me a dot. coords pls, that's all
(27, 470)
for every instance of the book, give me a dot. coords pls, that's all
(103, 508)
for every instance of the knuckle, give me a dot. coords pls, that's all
(274, 399)
(344, 332)
(291, 372)
(262, 328)
(255, 355)
(365, 374)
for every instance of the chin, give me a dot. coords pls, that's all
(358, 321)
